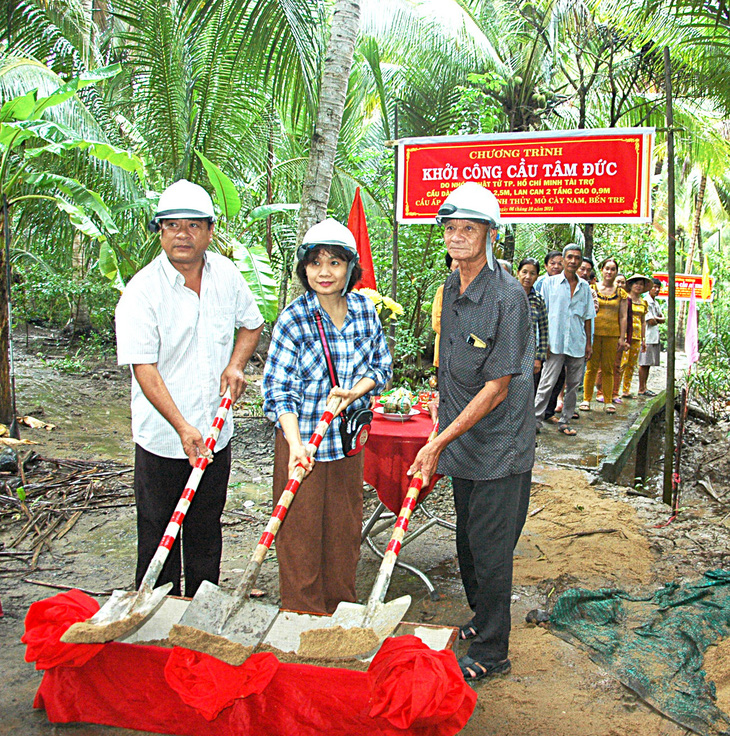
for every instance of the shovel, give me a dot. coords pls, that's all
(355, 630)
(127, 610)
(227, 624)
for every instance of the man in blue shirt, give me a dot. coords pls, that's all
(570, 311)
(553, 266)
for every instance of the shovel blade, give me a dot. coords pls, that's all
(124, 612)
(354, 630)
(382, 618)
(218, 612)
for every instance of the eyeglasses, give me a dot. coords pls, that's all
(175, 226)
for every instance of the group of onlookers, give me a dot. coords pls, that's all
(588, 331)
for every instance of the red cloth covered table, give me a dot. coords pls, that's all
(390, 451)
(124, 685)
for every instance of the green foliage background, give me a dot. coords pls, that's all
(225, 93)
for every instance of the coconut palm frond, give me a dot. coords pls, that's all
(161, 78)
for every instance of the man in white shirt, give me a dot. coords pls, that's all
(570, 311)
(176, 322)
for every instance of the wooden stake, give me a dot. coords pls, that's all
(672, 270)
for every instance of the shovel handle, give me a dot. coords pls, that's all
(396, 540)
(290, 490)
(173, 527)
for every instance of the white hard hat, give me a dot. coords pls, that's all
(183, 199)
(328, 232)
(331, 232)
(470, 201)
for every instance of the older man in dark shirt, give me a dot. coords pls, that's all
(487, 438)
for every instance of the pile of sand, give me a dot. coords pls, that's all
(573, 531)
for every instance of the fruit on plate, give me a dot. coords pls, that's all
(397, 401)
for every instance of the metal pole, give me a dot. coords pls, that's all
(394, 272)
(671, 248)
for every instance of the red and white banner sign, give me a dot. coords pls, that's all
(683, 283)
(557, 176)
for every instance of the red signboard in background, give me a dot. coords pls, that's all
(557, 176)
(683, 283)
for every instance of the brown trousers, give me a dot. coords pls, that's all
(318, 544)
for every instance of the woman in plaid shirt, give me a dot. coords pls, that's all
(527, 273)
(318, 546)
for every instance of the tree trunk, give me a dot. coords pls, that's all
(693, 243)
(588, 239)
(332, 95)
(508, 245)
(699, 205)
(79, 321)
(6, 402)
(270, 182)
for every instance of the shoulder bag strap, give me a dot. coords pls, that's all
(330, 363)
(325, 346)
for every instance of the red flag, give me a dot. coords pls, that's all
(359, 228)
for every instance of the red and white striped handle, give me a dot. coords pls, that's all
(396, 540)
(277, 516)
(173, 527)
(291, 488)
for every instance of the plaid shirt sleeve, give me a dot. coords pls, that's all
(379, 360)
(538, 312)
(282, 386)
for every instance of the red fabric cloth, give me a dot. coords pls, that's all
(390, 450)
(125, 686)
(357, 225)
(45, 624)
(209, 685)
(413, 685)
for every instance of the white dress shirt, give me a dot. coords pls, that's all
(652, 331)
(190, 338)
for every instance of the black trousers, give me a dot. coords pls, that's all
(158, 485)
(490, 515)
(557, 388)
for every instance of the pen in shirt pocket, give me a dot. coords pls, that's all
(476, 341)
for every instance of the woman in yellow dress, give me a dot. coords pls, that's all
(438, 301)
(608, 336)
(637, 285)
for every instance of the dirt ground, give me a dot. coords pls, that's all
(580, 532)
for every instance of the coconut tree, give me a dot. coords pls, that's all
(333, 87)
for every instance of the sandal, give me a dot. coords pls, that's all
(554, 419)
(627, 396)
(467, 631)
(609, 409)
(617, 400)
(567, 430)
(585, 406)
(599, 398)
(647, 393)
(575, 416)
(473, 670)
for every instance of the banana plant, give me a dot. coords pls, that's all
(27, 140)
(252, 260)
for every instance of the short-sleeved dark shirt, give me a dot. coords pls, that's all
(493, 311)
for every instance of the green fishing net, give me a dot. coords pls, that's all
(655, 645)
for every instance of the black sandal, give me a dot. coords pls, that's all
(473, 670)
(467, 631)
